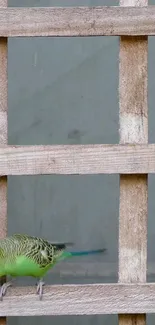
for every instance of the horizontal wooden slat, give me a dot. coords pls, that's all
(77, 159)
(80, 300)
(77, 21)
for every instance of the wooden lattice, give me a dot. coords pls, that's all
(133, 158)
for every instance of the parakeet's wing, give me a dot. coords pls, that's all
(34, 246)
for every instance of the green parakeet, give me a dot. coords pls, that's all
(23, 255)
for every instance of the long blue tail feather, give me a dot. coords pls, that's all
(89, 252)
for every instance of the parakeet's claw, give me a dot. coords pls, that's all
(4, 288)
(40, 288)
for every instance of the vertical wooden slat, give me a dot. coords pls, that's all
(3, 136)
(133, 189)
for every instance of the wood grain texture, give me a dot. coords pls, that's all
(77, 159)
(133, 188)
(3, 138)
(77, 21)
(90, 299)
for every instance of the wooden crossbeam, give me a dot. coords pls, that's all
(77, 159)
(77, 21)
(80, 300)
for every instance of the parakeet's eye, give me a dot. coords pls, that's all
(44, 254)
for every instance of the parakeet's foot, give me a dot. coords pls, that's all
(4, 288)
(40, 288)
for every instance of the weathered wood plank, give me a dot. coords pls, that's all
(77, 21)
(3, 137)
(133, 188)
(77, 159)
(87, 299)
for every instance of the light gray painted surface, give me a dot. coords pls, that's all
(65, 91)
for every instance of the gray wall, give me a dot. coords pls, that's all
(65, 91)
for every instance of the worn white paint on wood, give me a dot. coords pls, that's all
(90, 299)
(133, 126)
(134, 3)
(77, 159)
(133, 188)
(78, 21)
